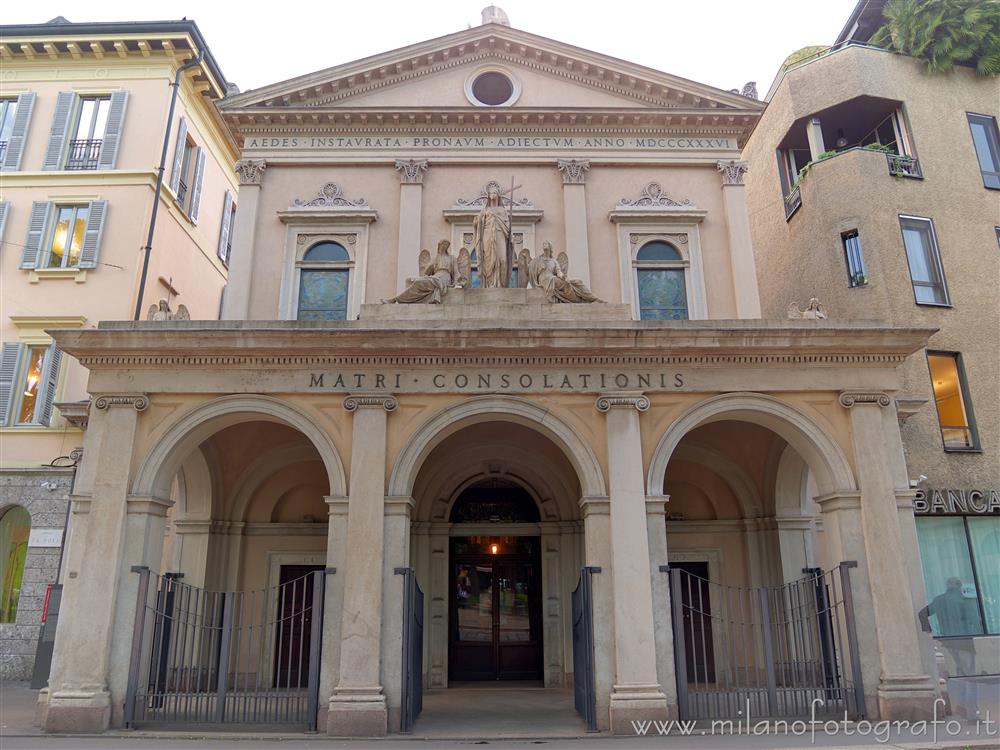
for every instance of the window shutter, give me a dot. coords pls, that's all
(3, 217)
(113, 130)
(32, 249)
(227, 216)
(65, 106)
(50, 379)
(8, 372)
(18, 133)
(199, 175)
(92, 234)
(175, 173)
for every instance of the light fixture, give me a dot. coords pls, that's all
(841, 141)
(494, 549)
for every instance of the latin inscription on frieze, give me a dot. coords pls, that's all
(319, 143)
(419, 381)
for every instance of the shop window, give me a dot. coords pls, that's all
(986, 140)
(324, 280)
(924, 259)
(660, 281)
(856, 273)
(15, 527)
(960, 557)
(955, 417)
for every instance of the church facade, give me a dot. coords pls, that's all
(492, 401)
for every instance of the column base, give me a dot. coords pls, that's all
(77, 711)
(631, 704)
(906, 697)
(357, 712)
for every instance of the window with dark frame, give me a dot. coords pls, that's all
(986, 140)
(856, 273)
(324, 281)
(924, 259)
(951, 396)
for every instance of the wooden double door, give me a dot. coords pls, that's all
(495, 622)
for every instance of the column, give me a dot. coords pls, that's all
(734, 203)
(574, 171)
(358, 707)
(80, 697)
(905, 691)
(656, 530)
(596, 513)
(636, 695)
(397, 555)
(814, 134)
(411, 188)
(236, 305)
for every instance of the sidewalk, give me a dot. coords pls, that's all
(17, 732)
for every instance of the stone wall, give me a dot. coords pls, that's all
(44, 493)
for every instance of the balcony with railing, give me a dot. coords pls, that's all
(84, 154)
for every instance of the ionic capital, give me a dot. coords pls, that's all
(250, 171)
(411, 171)
(574, 171)
(733, 171)
(138, 401)
(849, 399)
(370, 401)
(622, 400)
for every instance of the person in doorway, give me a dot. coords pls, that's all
(957, 616)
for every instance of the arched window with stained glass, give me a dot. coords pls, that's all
(324, 281)
(661, 284)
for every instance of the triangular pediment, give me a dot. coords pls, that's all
(434, 74)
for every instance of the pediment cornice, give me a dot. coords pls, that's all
(645, 86)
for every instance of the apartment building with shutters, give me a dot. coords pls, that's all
(84, 110)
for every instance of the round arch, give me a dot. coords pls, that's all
(820, 451)
(161, 464)
(496, 408)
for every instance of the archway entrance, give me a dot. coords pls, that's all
(495, 609)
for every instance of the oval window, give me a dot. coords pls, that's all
(492, 88)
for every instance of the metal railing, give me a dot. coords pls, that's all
(3, 150)
(793, 201)
(904, 166)
(84, 154)
(766, 651)
(182, 189)
(584, 682)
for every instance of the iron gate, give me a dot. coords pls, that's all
(766, 652)
(584, 688)
(412, 699)
(225, 657)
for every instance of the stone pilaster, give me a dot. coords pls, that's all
(333, 600)
(656, 528)
(236, 305)
(904, 691)
(411, 188)
(397, 555)
(358, 705)
(574, 173)
(741, 256)
(596, 513)
(80, 696)
(636, 694)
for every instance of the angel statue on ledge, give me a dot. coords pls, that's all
(437, 276)
(548, 273)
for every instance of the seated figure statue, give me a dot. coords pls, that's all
(437, 276)
(549, 274)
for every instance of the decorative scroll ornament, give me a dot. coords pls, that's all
(653, 197)
(250, 171)
(483, 197)
(678, 237)
(371, 401)
(611, 401)
(331, 195)
(732, 171)
(138, 401)
(850, 398)
(574, 171)
(411, 171)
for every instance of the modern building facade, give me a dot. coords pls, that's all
(83, 112)
(387, 471)
(874, 187)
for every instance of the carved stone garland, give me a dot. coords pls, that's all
(331, 195)
(652, 196)
(480, 200)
